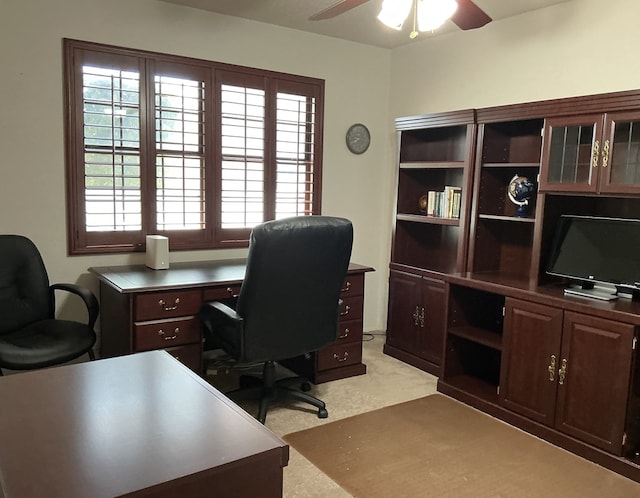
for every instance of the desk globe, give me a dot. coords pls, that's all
(520, 190)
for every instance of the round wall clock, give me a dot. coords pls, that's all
(358, 138)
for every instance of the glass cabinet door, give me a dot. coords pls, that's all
(570, 154)
(620, 172)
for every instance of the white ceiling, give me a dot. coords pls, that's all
(359, 24)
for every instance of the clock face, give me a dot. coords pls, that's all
(358, 138)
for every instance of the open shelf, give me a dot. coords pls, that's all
(429, 245)
(445, 144)
(423, 218)
(509, 219)
(481, 336)
(432, 165)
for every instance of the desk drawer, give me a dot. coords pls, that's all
(159, 305)
(339, 355)
(349, 331)
(351, 308)
(353, 285)
(162, 334)
(220, 293)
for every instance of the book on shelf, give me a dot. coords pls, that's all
(444, 204)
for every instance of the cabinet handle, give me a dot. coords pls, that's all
(231, 293)
(552, 368)
(345, 334)
(422, 317)
(596, 153)
(416, 315)
(340, 360)
(346, 287)
(176, 331)
(347, 308)
(164, 306)
(605, 153)
(562, 372)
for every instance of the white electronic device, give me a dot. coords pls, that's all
(157, 252)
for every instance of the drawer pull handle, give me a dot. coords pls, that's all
(231, 293)
(340, 360)
(164, 306)
(345, 334)
(169, 337)
(346, 287)
(346, 310)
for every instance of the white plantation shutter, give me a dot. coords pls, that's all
(243, 156)
(179, 111)
(295, 126)
(111, 137)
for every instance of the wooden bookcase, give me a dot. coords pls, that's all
(513, 345)
(435, 153)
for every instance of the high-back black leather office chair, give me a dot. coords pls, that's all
(288, 302)
(30, 335)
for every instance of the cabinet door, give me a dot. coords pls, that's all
(620, 163)
(593, 380)
(432, 321)
(532, 336)
(571, 154)
(405, 291)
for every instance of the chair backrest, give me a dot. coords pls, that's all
(291, 290)
(24, 285)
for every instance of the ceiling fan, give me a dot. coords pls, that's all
(467, 16)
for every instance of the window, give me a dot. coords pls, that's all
(195, 150)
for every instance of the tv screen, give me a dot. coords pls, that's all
(594, 250)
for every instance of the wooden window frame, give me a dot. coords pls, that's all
(211, 235)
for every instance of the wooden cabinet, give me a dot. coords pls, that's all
(435, 162)
(415, 329)
(563, 368)
(568, 370)
(592, 153)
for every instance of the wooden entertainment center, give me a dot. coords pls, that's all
(469, 297)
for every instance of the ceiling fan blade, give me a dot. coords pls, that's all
(469, 16)
(336, 9)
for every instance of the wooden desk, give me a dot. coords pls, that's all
(141, 425)
(143, 309)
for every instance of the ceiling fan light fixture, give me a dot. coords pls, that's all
(434, 13)
(394, 12)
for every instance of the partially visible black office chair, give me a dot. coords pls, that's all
(288, 302)
(30, 335)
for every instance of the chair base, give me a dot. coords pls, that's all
(268, 390)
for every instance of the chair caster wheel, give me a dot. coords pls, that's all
(305, 387)
(322, 413)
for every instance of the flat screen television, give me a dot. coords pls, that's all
(600, 256)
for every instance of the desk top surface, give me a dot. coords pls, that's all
(116, 426)
(136, 278)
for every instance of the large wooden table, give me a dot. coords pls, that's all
(141, 425)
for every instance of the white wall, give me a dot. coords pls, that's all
(579, 47)
(32, 188)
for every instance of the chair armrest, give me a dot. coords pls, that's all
(224, 327)
(89, 299)
(219, 314)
